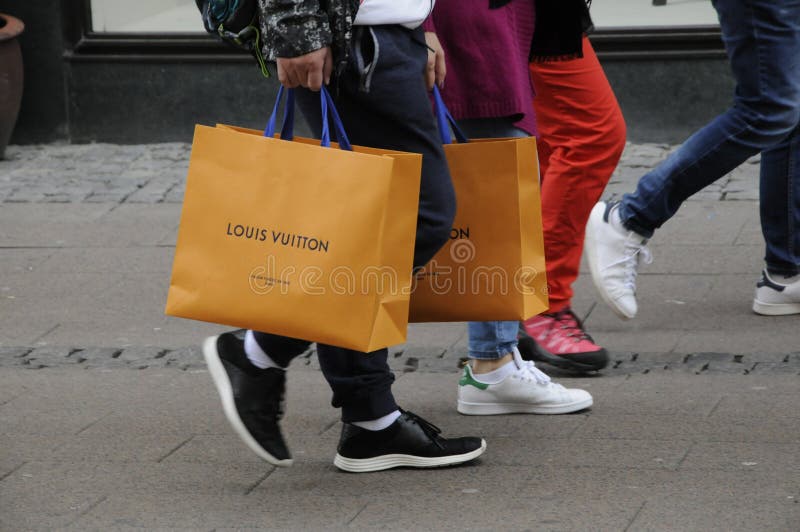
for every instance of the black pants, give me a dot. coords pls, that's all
(382, 105)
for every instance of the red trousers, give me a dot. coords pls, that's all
(581, 138)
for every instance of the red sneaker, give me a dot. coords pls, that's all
(559, 340)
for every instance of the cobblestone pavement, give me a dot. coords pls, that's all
(155, 173)
(402, 361)
(151, 174)
(94, 173)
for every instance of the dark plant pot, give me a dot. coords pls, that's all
(10, 77)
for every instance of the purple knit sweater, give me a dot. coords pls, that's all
(486, 51)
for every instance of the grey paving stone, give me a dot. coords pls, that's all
(22, 418)
(106, 358)
(146, 354)
(618, 452)
(746, 340)
(14, 356)
(43, 357)
(141, 260)
(768, 457)
(28, 448)
(101, 478)
(666, 428)
(24, 511)
(119, 447)
(607, 513)
(741, 195)
(719, 511)
(153, 191)
(175, 194)
(185, 358)
(145, 511)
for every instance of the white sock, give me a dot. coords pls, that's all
(255, 354)
(497, 375)
(380, 423)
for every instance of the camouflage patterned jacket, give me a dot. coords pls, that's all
(291, 28)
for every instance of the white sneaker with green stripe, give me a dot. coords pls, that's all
(526, 390)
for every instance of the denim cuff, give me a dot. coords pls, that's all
(501, 351)
(784, 270)
(632, 224)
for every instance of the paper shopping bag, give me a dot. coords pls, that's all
(493, 266)
(296, 239)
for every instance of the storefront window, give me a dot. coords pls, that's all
(181, 16)
(643, 14)
(145, 16)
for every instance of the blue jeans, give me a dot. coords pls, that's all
(762, 39)
(491, 339)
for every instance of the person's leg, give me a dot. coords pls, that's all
(780, 205)
(763, 45)
(762, 39)
(581, 138)
(390, 109)
(778, 291)
(491, 343)
(394, 113)
(499, 381)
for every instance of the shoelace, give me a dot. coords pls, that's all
(633, 254)
(430, 430)
(534, 373)
(566, 320)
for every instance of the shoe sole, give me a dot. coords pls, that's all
(225, 391)
(496, 409)
(390, 461)
(591, 252)
(528, 346)
(775, 309)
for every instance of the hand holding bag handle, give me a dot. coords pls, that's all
(446, 120)
(326, 104)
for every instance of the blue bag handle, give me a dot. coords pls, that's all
(288, 115)
(326, 106)
(446, 120)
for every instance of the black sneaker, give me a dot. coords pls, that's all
(251, 397)
(408, 442)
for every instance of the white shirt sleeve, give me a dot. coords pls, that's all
(408, 13)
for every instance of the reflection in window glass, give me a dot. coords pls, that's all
(642, 13)
(146, 16)
(168, 16)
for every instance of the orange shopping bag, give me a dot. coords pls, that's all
(493, 267)
(296, 239)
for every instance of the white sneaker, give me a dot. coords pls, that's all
(524, 391)
(775, 298)
(613, 253)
